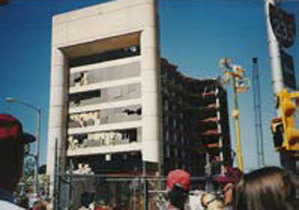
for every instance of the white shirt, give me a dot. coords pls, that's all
(194, 200)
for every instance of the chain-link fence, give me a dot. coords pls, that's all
(117, 193)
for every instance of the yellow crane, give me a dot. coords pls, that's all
(240, 85)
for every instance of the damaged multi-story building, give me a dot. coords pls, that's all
(116, 107)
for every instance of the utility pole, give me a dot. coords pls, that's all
(278, 40)
(275, 58)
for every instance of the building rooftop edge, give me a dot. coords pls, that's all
(104, 7)
(175, 68)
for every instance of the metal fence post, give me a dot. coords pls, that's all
(56, 179)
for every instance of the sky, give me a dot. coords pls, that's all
(195, 35)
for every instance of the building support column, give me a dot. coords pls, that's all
(57, 113)
(151, 92)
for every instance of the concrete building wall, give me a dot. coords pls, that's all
(94, 30)
(102, 21)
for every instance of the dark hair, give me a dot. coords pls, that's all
(86, 199)
(178, 196)
(22, 201)
(40, 205)
(269, 188)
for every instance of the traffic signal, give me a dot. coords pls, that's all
(277, 132)
(3, 2)
(288, 109)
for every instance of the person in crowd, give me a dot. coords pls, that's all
(211, 202)
(12, 141)
(266, 188)
(22, 201)
(178, 188)
(227, 181)
(40, 205)
(87, 199)
(195, 199)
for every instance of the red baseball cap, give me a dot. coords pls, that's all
(232, 175)
(179, 178)
(11, 129)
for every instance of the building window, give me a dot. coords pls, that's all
(125, 52)
(79, 79)
(176, 153)
(115, 93)
(175, 137)
(174, 107)
(181, 127)
(85, 119)
(167, 135)
(183, 154)
(166, 90)
(78, 98)
(166, 105)
(174, 123)
(167, 152)
(129, 135)
(166, 121)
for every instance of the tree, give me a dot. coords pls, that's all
(29, 166)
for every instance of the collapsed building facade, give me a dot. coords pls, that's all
(195, 123)
(117, 108)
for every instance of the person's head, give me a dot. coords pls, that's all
(227, 181)
(211, 202)
(40, 205)
(265, 189)
(12, 140)
(178, 187)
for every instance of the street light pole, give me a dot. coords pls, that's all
(38, 127)
(38, 122)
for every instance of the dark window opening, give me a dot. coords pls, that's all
(106, 56)
(78, 97)
(137, 111)
(130, 134)
(80, 137)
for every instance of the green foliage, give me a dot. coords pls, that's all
(29, 166)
